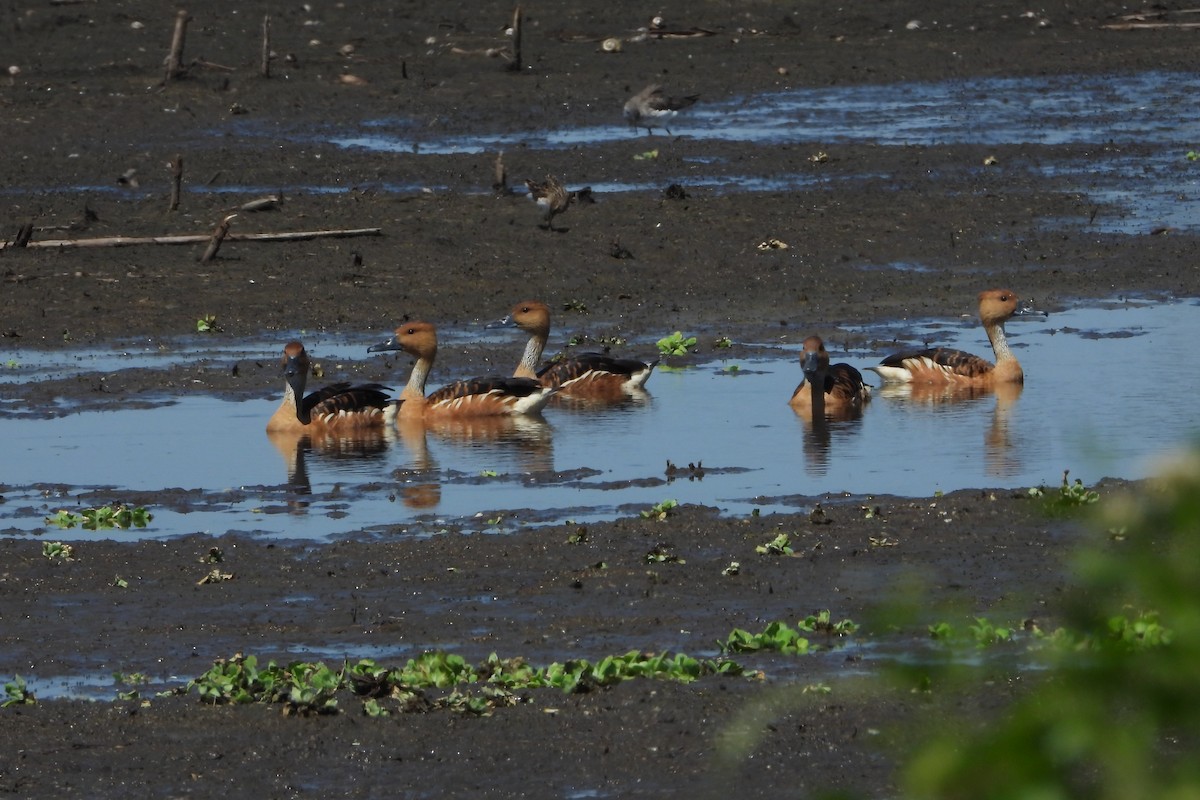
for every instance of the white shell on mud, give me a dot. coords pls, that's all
(612, 45)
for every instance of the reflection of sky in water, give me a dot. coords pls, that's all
(1081, 410)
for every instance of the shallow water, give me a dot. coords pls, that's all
(1150, 113)
(1080, 410)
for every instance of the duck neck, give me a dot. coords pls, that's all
(995, 333)
(816, 384)
(532, 355)
(415, 390)
(293, 398)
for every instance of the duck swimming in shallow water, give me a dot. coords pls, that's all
(943, 365)
(582, 374)
(488, 396)
(835, 390)
(339, 406)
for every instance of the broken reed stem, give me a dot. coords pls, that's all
(176, 166)
(516, 40)
(266, 46)
(174, 60)
(218, 236)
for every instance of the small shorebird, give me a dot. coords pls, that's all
(339, 406)
(551, 197)
(835, 390)
(943, 365)
(650, 108)
(482, 397)
(588, 375)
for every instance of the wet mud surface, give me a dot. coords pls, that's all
(84, 107)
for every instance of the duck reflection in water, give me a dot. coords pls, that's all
(1001, 455)
(298, 446)
(420, 485)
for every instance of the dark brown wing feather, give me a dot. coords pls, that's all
(345, 397)
(514, 387)
(844, 380)
(957, 361)
(560, 372)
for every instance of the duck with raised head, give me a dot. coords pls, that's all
(943, 365)
(581, 374)
(341, 405)
(487, 396)
(835, 390)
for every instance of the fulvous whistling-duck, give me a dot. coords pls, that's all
(650, 108)
(834, 390)
(945, 365)
(341, 405)
(581, 374)
(487, 396)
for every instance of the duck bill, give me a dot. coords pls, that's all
(389, 344)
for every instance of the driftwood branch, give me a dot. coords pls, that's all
(196, 238)
(174, 62)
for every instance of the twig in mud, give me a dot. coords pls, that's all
(176, 167)
(515, 64)
(265, 68)
(174, 61)
(218, 236)
(499, 176)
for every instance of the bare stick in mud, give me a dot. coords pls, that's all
(218, 236)
(176, 165)
(174, 60)
(516, 40)
(266, 46)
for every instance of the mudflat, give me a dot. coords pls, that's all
(90, 124)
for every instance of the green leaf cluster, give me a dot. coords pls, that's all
(16, 693)
(676, 344)
(116, 515)
(307, 688)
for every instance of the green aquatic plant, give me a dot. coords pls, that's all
(676, 344)
(58, 551)
(1069, 497)
(723, 343)
(661, 554)
(16, 693)
(779, 546)
(776, 636)
(114, 515)
(822, 622)
(207, 324)
(660, 511)
(306, 688)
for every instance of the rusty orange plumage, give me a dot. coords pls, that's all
(595, 375)
(943, 365)
(485, 396)
(827, 390)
